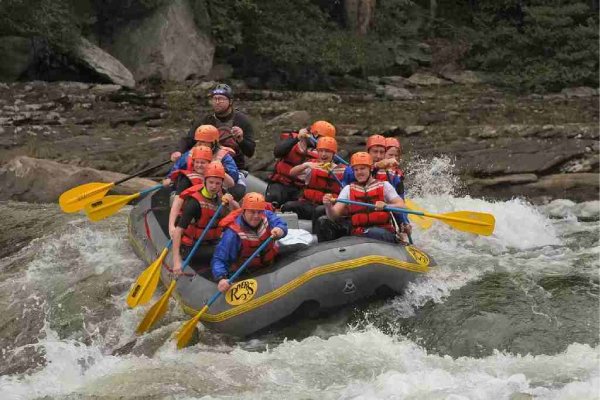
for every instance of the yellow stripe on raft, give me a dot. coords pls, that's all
(302, 279)
(299, 281)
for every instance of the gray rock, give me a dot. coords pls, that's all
(484, 132)
(165, 45)
(396, 93)
(414, 130)
(581, 91)
(516, 179)
(291, 118)
(426, 79)
(17, 56)
(105, 89)
(320, 97)
(43, 181)
(398, 81)
(463, 77)
(104, 64)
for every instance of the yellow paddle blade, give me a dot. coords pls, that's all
(77, 198)
(468, 221)
(423, 223)
(157, 311)
(107, 206)
(144, 287)
(184, 334)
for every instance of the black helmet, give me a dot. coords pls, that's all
(223, 90)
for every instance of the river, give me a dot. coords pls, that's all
(511, 316)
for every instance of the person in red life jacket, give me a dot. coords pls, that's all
(241, 139)
(370, 222)
(321, 177)
(200, 204)
(243, 232)
(292, 150)
(384, 169)
(200, 157)
(208, 135)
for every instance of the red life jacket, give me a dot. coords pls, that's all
(323, 181)
(293, 158)
(365, 217)
(195, 229)
(250, 240)
(194, 177)
(387, 175)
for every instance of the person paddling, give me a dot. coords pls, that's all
(208, 136)
(364, 221)
(294, 149)
(200, 203)
(321, 177)
(244, 231)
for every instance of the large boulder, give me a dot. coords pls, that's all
(43, 181)
(105, 65)
(17, 56)
(165, 45)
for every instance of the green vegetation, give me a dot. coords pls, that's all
(528, 45)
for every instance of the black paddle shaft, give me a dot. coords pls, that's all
(142, 172)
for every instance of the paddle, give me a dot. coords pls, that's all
(159, 308)
(466, 221)
(109, 205)
(184, 335)
(424, 223)
(77, 198)
(144, 287)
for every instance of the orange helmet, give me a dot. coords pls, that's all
(361, 158)
(214, 169)
(375, 140)
(202, 153)
(322, 128)
(254, 201)
(392, 142)
(327, 143)
(206, 133)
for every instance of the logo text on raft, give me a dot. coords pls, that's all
(242, 292)
(349, 287)
(420, 257)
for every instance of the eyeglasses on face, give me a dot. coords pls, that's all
(219, 99)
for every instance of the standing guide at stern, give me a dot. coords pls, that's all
(239, 136)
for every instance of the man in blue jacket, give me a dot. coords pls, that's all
(244, 231)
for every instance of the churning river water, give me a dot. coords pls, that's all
(511, 316)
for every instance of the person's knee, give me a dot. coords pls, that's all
(237, 191)
(380, 234)
(326, 229)
(274, 194)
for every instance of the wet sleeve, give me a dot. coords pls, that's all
(226, 253)
(348, 177)
(344, 193)
(247, 145)
(276, 222)
(191, 211)
(231, 168)
(182, 183)
(284, 147)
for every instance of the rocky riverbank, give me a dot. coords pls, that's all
(503, 145)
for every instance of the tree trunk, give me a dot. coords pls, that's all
(359, 15)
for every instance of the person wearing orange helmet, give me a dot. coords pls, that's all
(243, 231)
(208, 136)
(373, 223)
(320, 177)
(294, 148)
(200, 203)
(241, 133)
(384, 169)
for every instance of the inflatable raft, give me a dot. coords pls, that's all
(320, 277)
